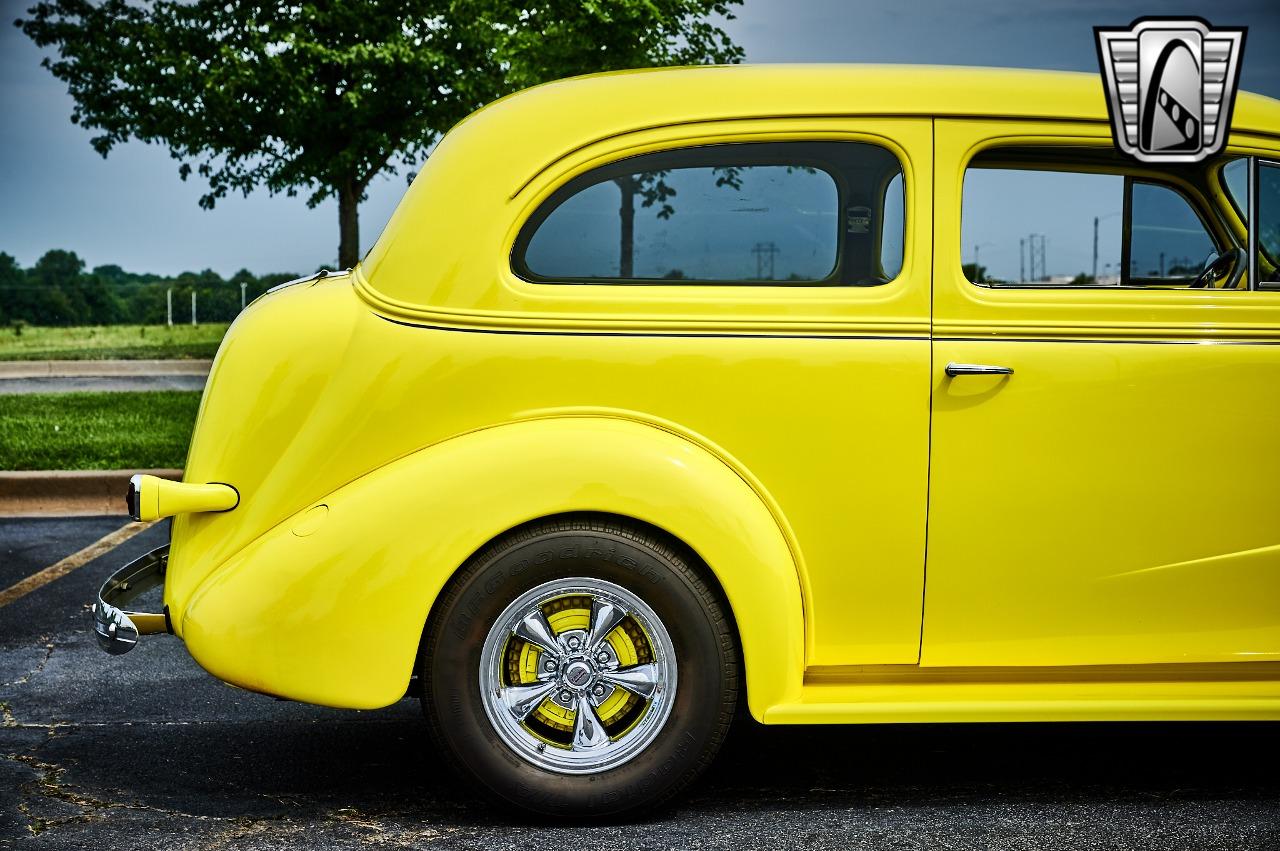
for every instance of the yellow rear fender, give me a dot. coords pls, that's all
(328, 607)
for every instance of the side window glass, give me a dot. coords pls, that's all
(1069, 218)
(1235, 176)
(1168, 242)
(823, 213)
(894, 230)
(1269, 221)
(1025, 227)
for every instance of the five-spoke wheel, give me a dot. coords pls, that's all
(580, 667)
(578, 675)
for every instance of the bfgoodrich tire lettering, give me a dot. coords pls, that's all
(681, 613)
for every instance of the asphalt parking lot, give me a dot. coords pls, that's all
(146, 750)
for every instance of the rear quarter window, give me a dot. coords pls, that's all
(752, 214)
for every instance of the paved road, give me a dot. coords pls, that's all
(100, 384)
(145, 750)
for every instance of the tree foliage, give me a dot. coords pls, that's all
(321, 98)
(548, 39)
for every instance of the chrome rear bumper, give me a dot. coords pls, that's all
(118, 630)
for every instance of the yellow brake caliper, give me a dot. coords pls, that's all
(575, 613)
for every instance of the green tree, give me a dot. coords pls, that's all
(103, 305)
(13, 292)
(57, 298)
(322, 98)
(57, 268)
(543, 40)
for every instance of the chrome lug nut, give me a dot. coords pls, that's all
(598, 690)
(549, 665)
(566, 696)
(603, 658)
(574, 642)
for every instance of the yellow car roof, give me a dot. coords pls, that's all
(699, 93)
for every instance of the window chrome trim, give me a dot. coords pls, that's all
(316, 276)
(1251, 224)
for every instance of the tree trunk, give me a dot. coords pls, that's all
(627, 219)
(348, 225)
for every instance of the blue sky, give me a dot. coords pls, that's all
(132, 209)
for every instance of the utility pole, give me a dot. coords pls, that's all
(193, 305)
(1162, 264)
(763, 250)
(1036, 243)
(1107, 266)
(1022, 261)
(244, 285)
(977, 261)
(168, 297)
(1095, 249)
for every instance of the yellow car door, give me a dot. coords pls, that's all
(1104, 476)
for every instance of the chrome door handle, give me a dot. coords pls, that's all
(954, 369)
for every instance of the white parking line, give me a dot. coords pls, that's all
(23, 587)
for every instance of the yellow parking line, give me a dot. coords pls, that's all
(22, 588)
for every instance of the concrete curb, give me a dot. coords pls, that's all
(109, 368)
(54, 493)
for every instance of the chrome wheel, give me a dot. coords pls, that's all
(578, 675)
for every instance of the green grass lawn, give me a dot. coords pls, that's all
(101, 342)
(96, 431)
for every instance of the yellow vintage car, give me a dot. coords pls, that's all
(847, 394)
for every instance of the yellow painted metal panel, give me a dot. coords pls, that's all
(363, 391)
(1108, 503)
(1177, 700)
(334, 617)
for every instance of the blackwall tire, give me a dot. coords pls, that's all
(620, 721)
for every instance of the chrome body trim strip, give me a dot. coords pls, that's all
(1114, 341)
(1251, 224)
(322, 274)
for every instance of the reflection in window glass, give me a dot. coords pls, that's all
(749, 223)
(1269, 219)
(1168, 238)
(1235, 175)
(1026, 227)
(1053, 227)
(776, 213)
(894, 229)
